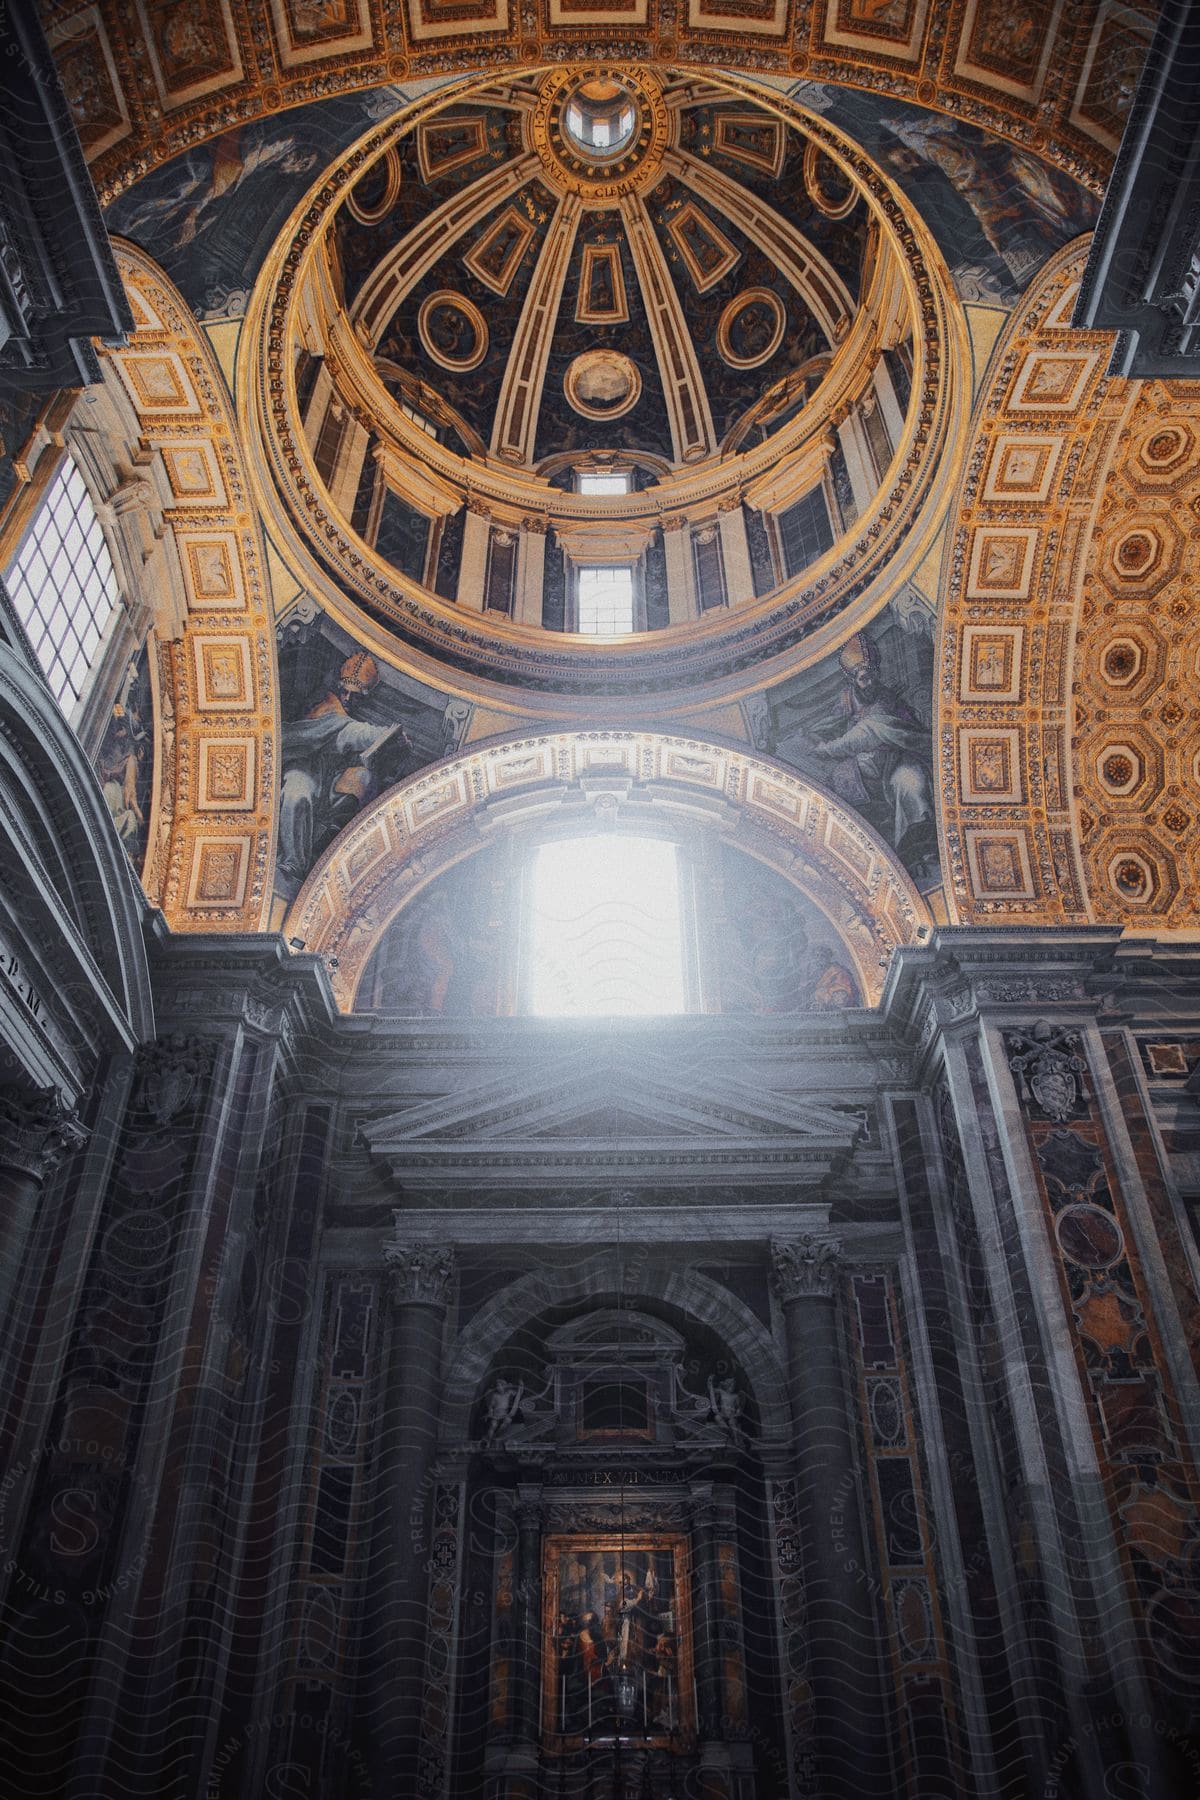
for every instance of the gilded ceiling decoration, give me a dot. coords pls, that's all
(1069, 731)
(1068, 722)
(1136, 687)
(208, 862)
(563, 328)
(425, 825)
(147, 81)
(463, 293)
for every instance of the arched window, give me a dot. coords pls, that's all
(64, 587)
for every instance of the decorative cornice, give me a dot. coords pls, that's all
(38, 1130)
(806, 1267)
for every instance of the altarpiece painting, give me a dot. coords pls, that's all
(617, 1637)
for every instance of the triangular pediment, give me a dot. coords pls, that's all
(615, 1111)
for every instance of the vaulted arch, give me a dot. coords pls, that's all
(598, 1279)
(424, 825)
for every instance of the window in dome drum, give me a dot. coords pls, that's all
(501, 576)
(403, 536)
(709, 567)
(805, 532)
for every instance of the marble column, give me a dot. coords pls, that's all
(420, 1278)
(531, 572)
(516, 1763)
(529, 1628)
(37, 1131)
(842, 1629)
(856, 448)
(706, 1607)
(735, 548)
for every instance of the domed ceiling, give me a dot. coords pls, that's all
(605, 318)
(484, 337)
(705, 208)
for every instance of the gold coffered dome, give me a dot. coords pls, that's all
(685, 366)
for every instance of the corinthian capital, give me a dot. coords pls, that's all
(806, 1267)
(37, 1130)
(419, 1274)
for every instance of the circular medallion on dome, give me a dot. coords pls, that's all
(600, 133)
(602, 384)
(453, 330)
(751, 328)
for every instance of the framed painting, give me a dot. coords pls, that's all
(617, 1639)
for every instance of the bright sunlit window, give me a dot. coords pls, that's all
(605, 601)
(592, 482)
(605, 928)
(600, 127)
(418, 419)
(63, 585)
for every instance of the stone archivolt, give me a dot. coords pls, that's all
(425, 824)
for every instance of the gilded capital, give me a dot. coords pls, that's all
(806, 1267)
(419, 1274)
(37, 1130)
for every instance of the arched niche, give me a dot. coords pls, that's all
(593, 779)
(601, 1281)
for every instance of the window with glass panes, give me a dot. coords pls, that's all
(63, 585)
(605, 601)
